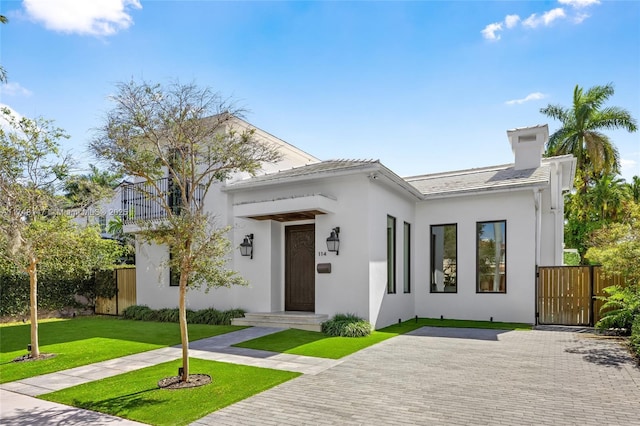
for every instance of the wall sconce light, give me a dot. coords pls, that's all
(246, 247)
(333, 242)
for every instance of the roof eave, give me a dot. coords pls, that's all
(493, 190)
(249, 184)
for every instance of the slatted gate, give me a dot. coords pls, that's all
(567, 294)
(125, 282)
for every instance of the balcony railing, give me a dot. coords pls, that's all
(142, 201)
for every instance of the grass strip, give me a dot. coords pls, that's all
(136, 396)
(311, 343)
(82, 341)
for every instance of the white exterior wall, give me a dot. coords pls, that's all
(343, 290)
(518, 303)
(386, 308)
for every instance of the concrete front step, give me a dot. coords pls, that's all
(300, 320)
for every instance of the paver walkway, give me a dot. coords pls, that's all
(439, 376)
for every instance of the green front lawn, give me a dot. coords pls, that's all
(311, 343)
(83, 341)
(136, 396)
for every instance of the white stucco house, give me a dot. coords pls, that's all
(462, 244)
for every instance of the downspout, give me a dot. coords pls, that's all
(537, 200)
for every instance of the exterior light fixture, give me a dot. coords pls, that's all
(333, 242)
(246, 247)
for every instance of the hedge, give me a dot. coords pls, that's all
(209, 316)
(53, 293)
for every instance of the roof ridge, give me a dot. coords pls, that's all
(459, 172)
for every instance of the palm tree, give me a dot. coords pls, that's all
(607, 196)
(634, 189)
(581, 134)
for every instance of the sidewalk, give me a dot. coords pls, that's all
(19, 407)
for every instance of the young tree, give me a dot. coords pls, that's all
(34, 234)
(178, 141)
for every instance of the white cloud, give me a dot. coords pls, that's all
(580, 17)
(579, 4)
(511, 20)
(530, 97)
(629, 168)
(575, 13)
(545, 19)
(490, 31)
(85, 17)
(13, 89)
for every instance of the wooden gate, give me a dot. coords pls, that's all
(125, 282)
(567, 294)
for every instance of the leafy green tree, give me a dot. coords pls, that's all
(581, 132)
(607, 197)
(182, 136)
(634, 189)
(84, 190)
(606, 200)
(617, 247)
(35, 234)
(3, 72)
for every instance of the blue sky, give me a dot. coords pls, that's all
(424, 86)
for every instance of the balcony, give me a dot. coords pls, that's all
(141, 201)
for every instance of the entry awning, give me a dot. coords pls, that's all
(286, 209)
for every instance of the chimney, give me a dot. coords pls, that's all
(527, 144)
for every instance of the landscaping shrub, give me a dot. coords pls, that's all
(622, 305)
(139, 312)
(209, 316)
(634, 340)
(346, 325)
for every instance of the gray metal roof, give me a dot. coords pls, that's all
(310, 170)
(473, 180)
(503, 177)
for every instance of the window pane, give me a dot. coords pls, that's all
(444, 258)
(391, 254)
(491, 256)
(407, 258)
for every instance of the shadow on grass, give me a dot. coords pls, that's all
(120, 404)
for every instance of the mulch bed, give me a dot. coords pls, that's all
(28, 357)
(175, 382)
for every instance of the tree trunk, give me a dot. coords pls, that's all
(184, 332)
(33, 295)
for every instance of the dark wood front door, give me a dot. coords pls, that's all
(300, 277)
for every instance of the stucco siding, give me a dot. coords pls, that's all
(386, 308)
(517, 304)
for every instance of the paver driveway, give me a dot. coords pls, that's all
(463, 377)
